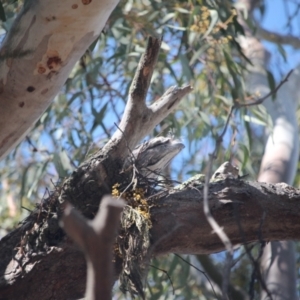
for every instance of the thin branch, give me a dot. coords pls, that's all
(140, 84)
(164, 271)
(261, 100)
(215, 226)
(187, 262)
(277, 38)
(237, 105)
(217, 277)
(220, 137)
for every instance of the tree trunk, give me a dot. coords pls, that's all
(279, 164)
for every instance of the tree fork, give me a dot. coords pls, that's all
(37, 256)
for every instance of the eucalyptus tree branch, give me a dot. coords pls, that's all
(39, 236)
(38, 54)
(236, 205)
(139, 119)
(178, 226)
(274, 37)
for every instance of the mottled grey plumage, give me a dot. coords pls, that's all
(226, 170)
(153, 156)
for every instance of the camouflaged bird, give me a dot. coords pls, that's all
(151, 157)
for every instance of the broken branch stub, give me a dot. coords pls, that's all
(96, 239)
(139, 119)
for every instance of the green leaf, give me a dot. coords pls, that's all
(246, 154)
(75, 96)
(37, 177)
(282, 52)
(271, 82)
(254, 120)
(65, 161)
(2, 13)
(205, 118)
(224, 99)
(214, 17)
(198, 53)
(177, 27)
(62, 164)
(182, 10)
(167, 17)
(186, 70)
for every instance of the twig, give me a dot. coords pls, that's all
(34, 149)
(217, 228)
(277, 38)
(164, 271)
(217, 277)
(141, 81)
(26, 208)
(261, 100)
(239, 105)
(235, 261)
(212, 287)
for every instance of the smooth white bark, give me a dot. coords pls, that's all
(279, 164)
(38, 54)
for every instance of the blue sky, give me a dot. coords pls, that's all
(275, 20)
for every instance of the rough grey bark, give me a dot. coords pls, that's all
(37, 56)
(248, 211)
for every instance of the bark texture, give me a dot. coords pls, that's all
(37, 56)
(55, 268)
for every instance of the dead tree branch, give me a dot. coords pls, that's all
(96, 239)
(138, 119)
